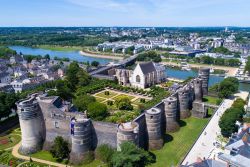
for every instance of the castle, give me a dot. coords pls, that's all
(43, 118)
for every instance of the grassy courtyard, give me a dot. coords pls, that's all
(46, 155)
(212, 100)
(178, 143)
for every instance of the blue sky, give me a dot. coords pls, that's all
(124, 12)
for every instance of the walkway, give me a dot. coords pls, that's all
(204, 146)
(16, 154)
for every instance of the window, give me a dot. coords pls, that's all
(56, 125)
(138, 79)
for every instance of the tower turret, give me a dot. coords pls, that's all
(184, 102)
(127, 132)
(31, 124)
(81, 136)
(170, 104)
(204, 75)
(198, 89)
(153, 121)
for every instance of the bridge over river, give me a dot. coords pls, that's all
(122, 63)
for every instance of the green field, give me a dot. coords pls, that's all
(178, 144)
(46, 155)
(102, 94)
(60, 48)
(122, 95)
(212, 100)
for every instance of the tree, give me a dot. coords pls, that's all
(97, 111)
(47, 57)
(7, 102)
(247, 67)
(131, 156)
(60, 148)
(82, 101)
(71, 74)
(76, 76)
(95, 63)
(228, 87)
(104, 153)
(229, 118)
(123, 103)
(63, 90)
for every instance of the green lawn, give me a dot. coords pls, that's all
(46, 155)
(60, 48)
(212, 100)
(95, 163)
(178, 144)
(137, 101)
(99, 99)
(102, 94)
(123, 95)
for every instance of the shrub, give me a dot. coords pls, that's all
(106, 93)
(123, 103)
(110, 103)
(60, 148)
(88, 157)
(104, 153)
(131, 156)
(97, 111)
(142, 100)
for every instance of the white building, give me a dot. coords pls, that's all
(147, 74)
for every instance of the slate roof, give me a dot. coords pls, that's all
(208, 163)
(147, 67)
(4, 74)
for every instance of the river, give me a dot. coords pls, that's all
(75, 55)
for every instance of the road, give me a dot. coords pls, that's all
(204, 146)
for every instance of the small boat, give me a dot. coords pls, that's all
(185, 66)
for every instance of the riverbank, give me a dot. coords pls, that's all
(60, 48)
(230, 71)
(84, 53)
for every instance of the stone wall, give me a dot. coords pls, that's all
(104, 133)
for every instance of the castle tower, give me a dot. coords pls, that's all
(127, 132)
(153, 121)
(31, 124)
(204, 75)
(170, 104)
(81, 136)
(199, 110)
(198, 89)
(184, 102)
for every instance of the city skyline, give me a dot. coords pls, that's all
(149, 13)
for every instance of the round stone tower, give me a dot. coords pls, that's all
(127, 132)
(198, 89)
(204, 75)
(170, 104)
(31, 124)
(81, 136)
(153, 121)
(184, 102)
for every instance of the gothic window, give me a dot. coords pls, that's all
(138, 79)
(56, 125)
